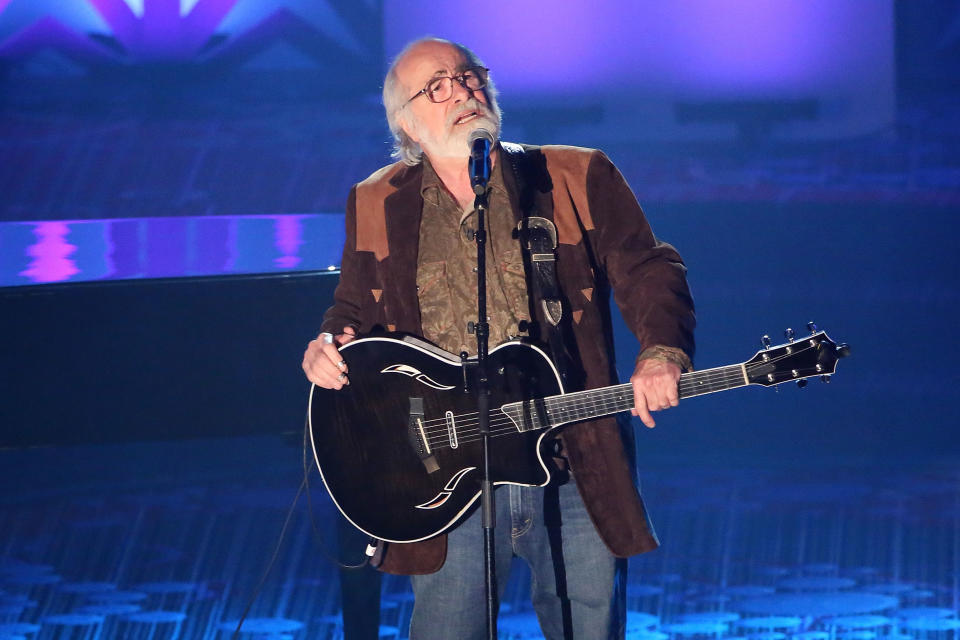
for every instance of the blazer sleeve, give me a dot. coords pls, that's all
(647, 276)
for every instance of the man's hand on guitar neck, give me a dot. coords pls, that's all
(322, 362)
(654, 388)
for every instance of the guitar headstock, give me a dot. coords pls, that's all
(795, 361)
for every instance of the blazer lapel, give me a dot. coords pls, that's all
(402, 209)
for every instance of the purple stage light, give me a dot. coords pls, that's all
(744, 47)
(634, 62)
(172, 31)
(289, 237)
(82, 250)
(196, 32)
(51, 255)
(161, 32)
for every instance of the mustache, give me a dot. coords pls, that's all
(483, 111)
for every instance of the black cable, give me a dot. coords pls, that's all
(304, 485)
(273, 559)
(307, 468)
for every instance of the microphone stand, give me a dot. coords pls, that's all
(482, 329)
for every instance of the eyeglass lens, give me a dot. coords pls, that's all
(441, 89)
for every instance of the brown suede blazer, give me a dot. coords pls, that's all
(604, 243)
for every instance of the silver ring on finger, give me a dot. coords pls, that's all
(327, 338)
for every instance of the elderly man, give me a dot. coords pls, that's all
(408, 265)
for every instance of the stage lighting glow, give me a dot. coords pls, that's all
(125, 248)
(636, 61)
(160, 30)
(51, 259)
(618, 47)
(180, 31)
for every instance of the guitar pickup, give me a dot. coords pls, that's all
(417, 434)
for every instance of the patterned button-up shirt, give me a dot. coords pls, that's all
(446, 267)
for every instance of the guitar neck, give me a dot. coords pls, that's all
(594, 403)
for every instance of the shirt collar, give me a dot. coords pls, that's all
(431, 180)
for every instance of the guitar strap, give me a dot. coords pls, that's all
(538, 240)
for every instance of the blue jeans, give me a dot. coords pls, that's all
(573, 574)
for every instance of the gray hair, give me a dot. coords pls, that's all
(395, 97)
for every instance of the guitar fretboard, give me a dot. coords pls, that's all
(594, 403)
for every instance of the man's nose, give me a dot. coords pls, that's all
(460, 91)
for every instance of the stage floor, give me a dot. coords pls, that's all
(169, 540)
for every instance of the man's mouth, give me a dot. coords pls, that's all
(466, 116)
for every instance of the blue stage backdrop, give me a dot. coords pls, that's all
(172, 183)
(801, 154)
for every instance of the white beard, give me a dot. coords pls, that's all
(454, 144)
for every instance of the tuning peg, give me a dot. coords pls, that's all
(812, 327)
(802, 383)
(825, 378)
(788, 334)
(843, 350)
(765, 340)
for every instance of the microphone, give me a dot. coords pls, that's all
(480, 141)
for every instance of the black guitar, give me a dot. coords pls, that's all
(399, 448)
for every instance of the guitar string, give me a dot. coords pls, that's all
(468, 435)
(715, 379)
(566, 404)
(467, 427)
(500, 422)
(567, 407)
(719, 378)
(474, 436)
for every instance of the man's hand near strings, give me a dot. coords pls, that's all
(654, 388)
(322, 362)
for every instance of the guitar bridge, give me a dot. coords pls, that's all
(417, 435)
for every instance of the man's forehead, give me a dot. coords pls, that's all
(431, 59)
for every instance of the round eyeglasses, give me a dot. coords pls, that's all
(440, 88)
